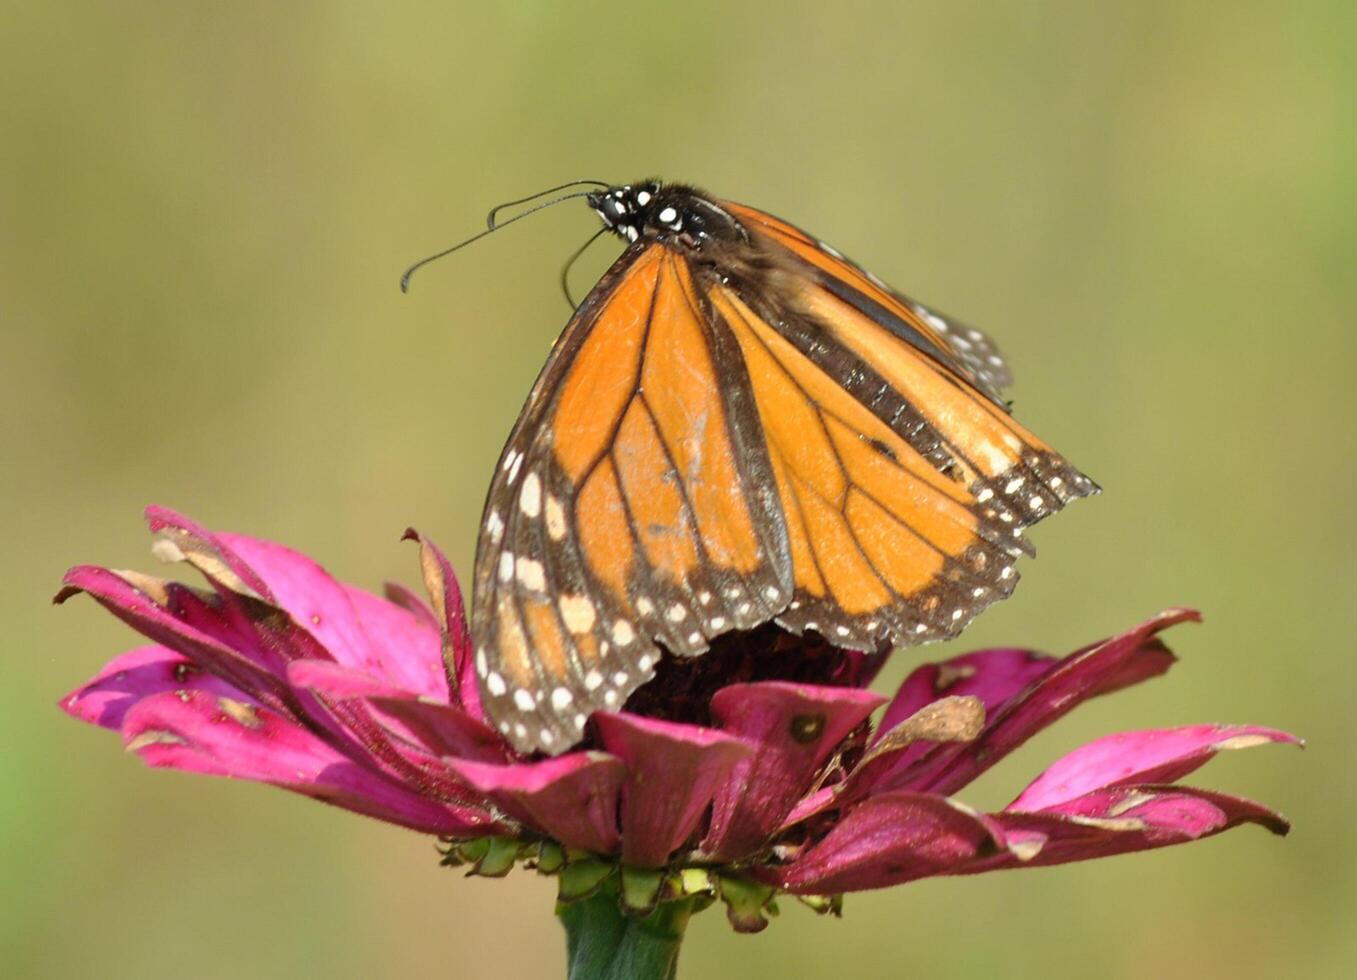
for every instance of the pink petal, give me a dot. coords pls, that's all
(137, 674)
(1123, 819)
(140, 611)
(673, 771)
(411, 603)
(572, 798)
(1110, 665)
(412, 652)
(446, 595)
(445, 729)
(442, 729)
(890, 839)
(358, 702)
(795, 728)
(198, 732)
(1160, 755)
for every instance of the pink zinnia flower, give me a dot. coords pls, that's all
(750, 771)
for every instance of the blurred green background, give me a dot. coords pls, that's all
(203, 212)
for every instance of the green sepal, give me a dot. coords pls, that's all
(499, 857)
(823, 904)
(550, 857)
(580, 879)
(469, 851)
(695, 881)
(640, 891)
(747, 903)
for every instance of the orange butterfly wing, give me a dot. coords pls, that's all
(696, 458)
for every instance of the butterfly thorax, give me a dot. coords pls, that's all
(675, 215)
(716, 244)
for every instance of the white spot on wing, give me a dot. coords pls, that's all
(555, 519)
(578, 613)
(531, 575)
(530, 497)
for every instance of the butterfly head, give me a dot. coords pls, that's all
(627, 209)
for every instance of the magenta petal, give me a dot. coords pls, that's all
(412, 652)
(411, 603)
(339, 682)
(795, 727)
(444, 729)
(572, 798)
(355, 628)
(890, 839)
(446, 595)
(1122, 819)
(198, 732)
(673, 771)
(140, 611)
(1160, 755)
(362, 705)
(1110, 665)
(137, 674)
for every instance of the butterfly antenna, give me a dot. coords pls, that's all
(569, 264)
(405, 278)
(490, 218)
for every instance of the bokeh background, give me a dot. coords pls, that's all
(203, 212)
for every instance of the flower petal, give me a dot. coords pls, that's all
(140, 606)
(572, 798)
(890, 839)
(199, 732)
(1157, 755)
(673, 772)
(446, 595)
(136, 674)
(445, 729)
(369, 633)
(352, 698)
(412, 652)
(442, 729)
(795, 728)
(1110, 665)
(1122, 819)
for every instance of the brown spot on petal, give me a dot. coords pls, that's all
(949, 674)
(155, 589)
(176, 544)
(807, 728)
(240, 712)
(153, 737)
(954, 719)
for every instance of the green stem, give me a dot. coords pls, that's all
(604, 943)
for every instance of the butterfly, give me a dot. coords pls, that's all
(740, 425)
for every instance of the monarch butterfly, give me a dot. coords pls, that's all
(741, 425)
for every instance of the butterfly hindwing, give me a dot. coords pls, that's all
(629, 508)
